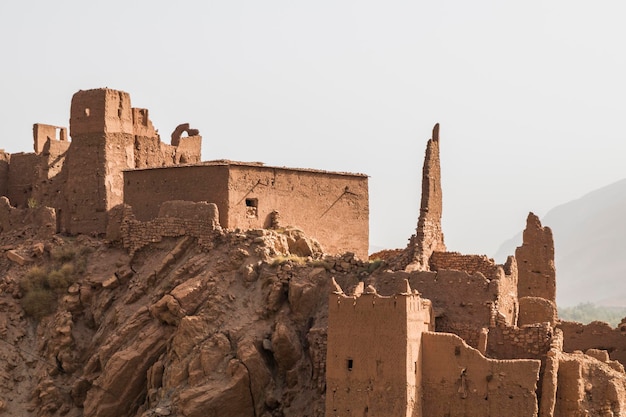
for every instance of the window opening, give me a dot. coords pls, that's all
(252, 205)
(350, 363)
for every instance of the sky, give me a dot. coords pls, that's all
(530, 96)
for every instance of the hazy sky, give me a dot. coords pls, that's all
(531, 96)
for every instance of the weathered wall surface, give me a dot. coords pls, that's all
(42, 134)
(5, 159)
(429, 234)
(151, 152)
(535, 261)
(332, 207)
(459, 381)
(146, 190)
(536, 310)
(588, 387)
(95, 165)
(464, 304)
(510, 342)
(23, 174)
(176, 218)
(363, 376)
(43, 219)
(467, 263)
(100, 111)
(595, 335)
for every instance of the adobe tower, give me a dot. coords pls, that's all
(101, 127)
(429, 235)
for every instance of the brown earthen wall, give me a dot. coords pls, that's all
(364, 376)
(86, 206)
(177, 218)
(100, 111)
(536, 310)
(510, 342)
(41, 219)
(535, 261)
(332, 208)
(588, 387)
(595, 335)
(151, 152)
(468, 263)
(23, 174)
(459, 381)
(146, 190)
(428, 234)
(462, 302)
(5, 159)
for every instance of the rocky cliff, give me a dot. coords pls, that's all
(237, 328)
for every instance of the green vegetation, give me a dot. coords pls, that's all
(42, 286)
(588, 312)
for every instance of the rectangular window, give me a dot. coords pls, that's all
(349, 364)
(252, 205)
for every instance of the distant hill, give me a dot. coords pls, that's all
(590, 247)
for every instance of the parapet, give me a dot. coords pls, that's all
(101, 110)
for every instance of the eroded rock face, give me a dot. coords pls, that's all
(175, 330)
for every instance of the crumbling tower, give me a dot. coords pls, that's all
(536, 286)
(429, 235)
(101, 127)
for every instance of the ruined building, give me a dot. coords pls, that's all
(116, 157)
(442, 334)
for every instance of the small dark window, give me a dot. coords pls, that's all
(252, 205)
(349, 364)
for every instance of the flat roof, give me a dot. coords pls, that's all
(227, 162)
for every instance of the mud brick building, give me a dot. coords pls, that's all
(116, 156)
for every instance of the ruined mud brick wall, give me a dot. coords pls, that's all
(429, 235)
(505, 276)
(176, 218)
(463, 303)
(23, 174)
(331, 207)
(146, 189)
(42, 219)
(31, 177)
(595, 335)
(536, 310)
(511, 342)
(364, 376)
(467, 263)
(5, 159)
(535, 261)
(101, 127)
(42, 134)
(588, 386)
(151, 152)
(457, 380)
